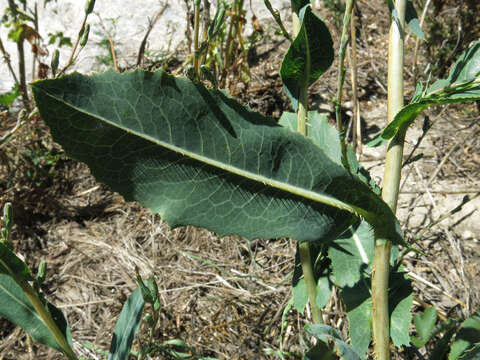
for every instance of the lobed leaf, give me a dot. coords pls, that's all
(309, 55)
(198, 157)
(127, 326)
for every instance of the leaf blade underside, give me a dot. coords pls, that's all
(198, 157)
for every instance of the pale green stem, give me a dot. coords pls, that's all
(391, 184)
(304, 248)
(341, 79)
(309, 277)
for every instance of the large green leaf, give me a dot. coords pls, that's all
(461, 85)
(466, 338)
(198, 157)
(16, 307)
(127, 326)
(309, 55)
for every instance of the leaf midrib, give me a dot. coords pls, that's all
(307, 194)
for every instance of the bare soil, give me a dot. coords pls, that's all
(223, 296)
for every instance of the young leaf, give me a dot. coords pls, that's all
(127, 326)
(198, 157)
(16, 307)
(424, 324)
(462, 85)
(309, 55)
(411, 18)
(466, 338)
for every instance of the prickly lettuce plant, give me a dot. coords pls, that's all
(196, 156)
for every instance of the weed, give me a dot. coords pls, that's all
(224, 167)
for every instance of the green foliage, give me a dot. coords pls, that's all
(60, 39)
(461, 85)
(309, 55)
(127, 326)
(411, 19)
(425, 325)
(274, 179)
(327, 334)
(26, 306)
(466, 337)
(8, 98)
(17, 308)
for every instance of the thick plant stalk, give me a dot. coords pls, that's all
(304, 247)
(341, 79)
(393, 166)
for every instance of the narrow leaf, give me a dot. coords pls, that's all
(127, 326)
(198, 157)
(12, 265)
(309, 55)
(16, 307)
